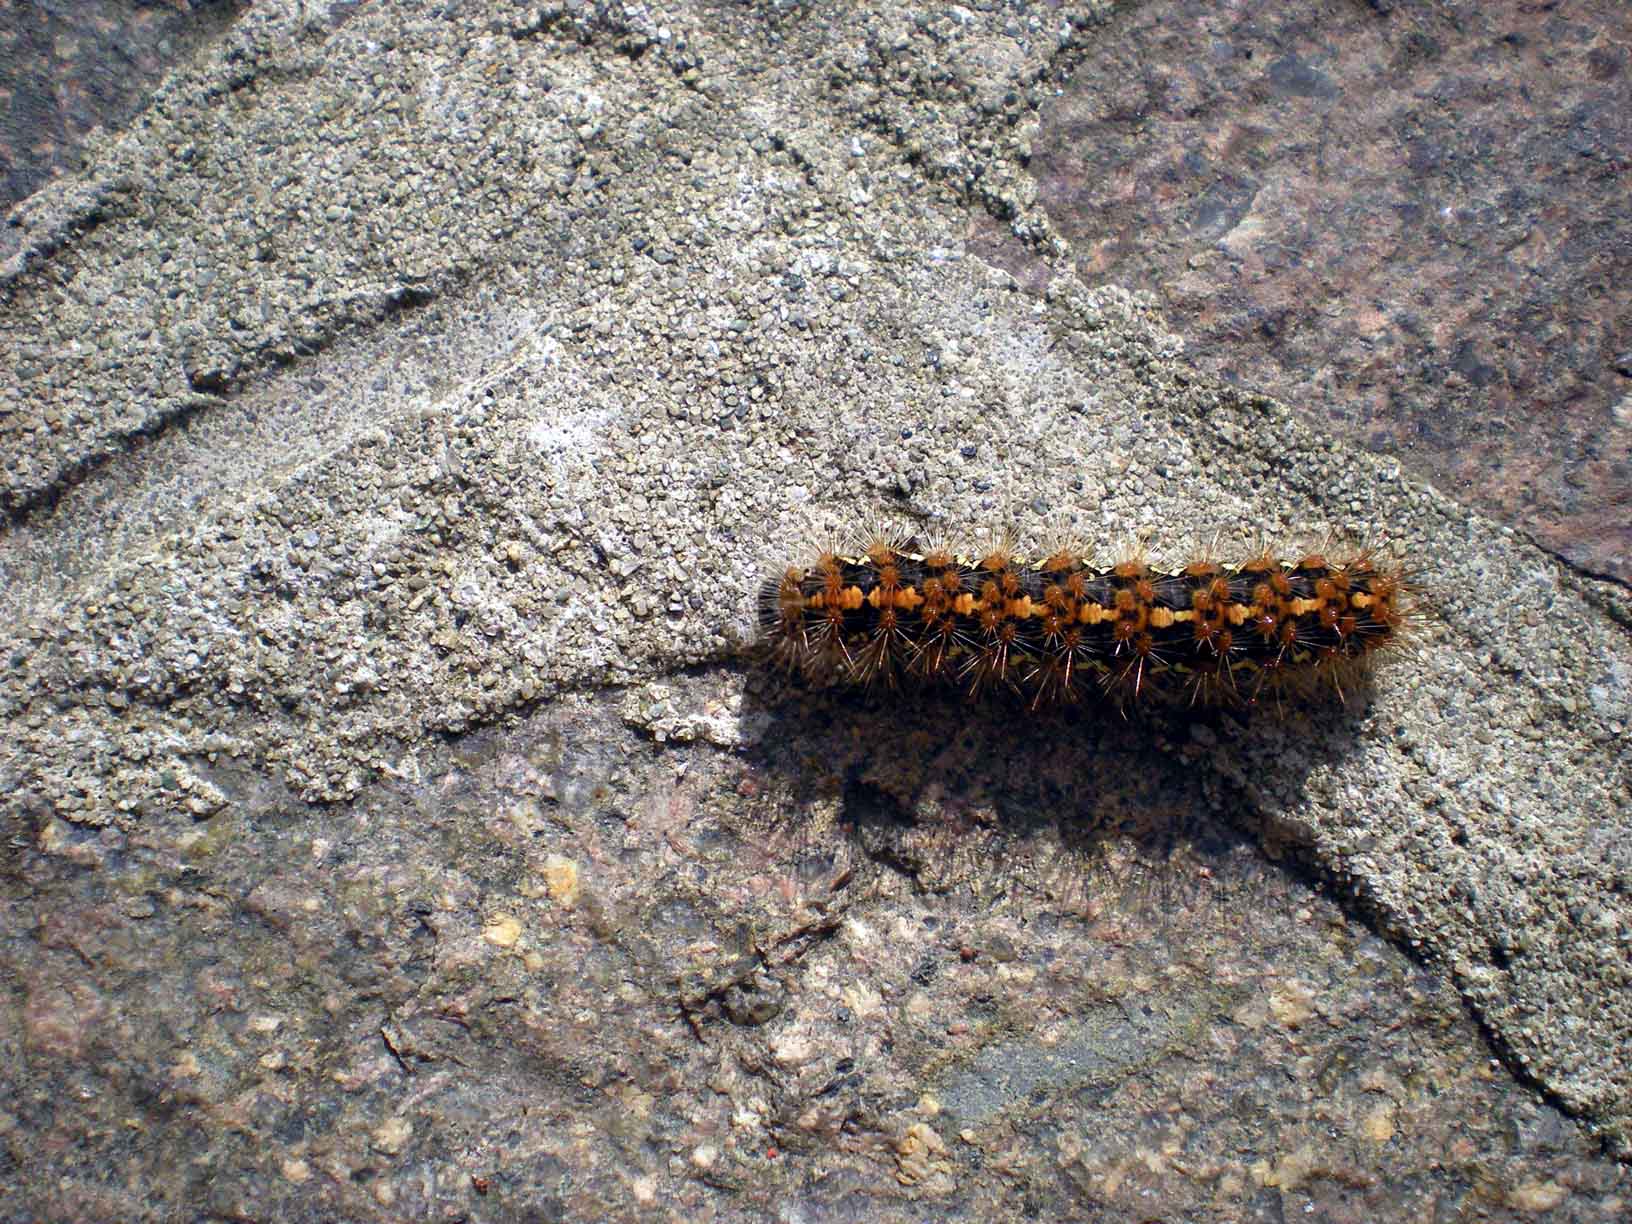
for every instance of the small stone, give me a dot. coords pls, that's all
(1289, 1171)
(1291, 1003)
(502, 931)
(1536, 1196)
(920, 1153)
(1378, 1125)
(793, 1051)
(561, 878)
(392, 1135)
(54, 836)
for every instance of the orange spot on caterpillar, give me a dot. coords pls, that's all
(1093, 614)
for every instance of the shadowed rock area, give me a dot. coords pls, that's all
(397, 421)
(68, 67)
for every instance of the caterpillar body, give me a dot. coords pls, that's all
(1061, 629)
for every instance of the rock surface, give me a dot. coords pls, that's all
(69, 67)
(1409, 220)
(398, 418)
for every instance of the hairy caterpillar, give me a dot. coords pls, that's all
(1061, 629)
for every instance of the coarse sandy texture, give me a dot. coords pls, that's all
(434, 369)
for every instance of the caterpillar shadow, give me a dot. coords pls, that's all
(1082, 806)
